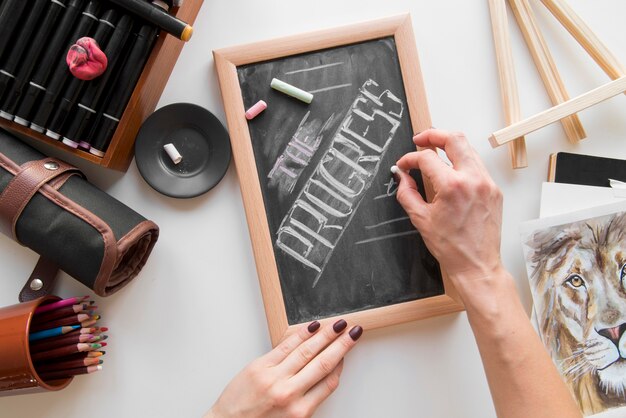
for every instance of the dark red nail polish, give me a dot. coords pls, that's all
(356, 332)
(340, 326)
(313, 326)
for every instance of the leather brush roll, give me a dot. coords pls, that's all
(49, 207)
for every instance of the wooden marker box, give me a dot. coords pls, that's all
(141, 104)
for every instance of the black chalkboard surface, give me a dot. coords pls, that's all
(341, 241)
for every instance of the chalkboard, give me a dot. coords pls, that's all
(342, 242)
(330, 238)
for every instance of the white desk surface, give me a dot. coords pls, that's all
(194, 317)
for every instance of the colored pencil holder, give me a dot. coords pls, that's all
(17, 372)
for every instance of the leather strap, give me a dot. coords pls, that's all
(22, 188)
(41, 280)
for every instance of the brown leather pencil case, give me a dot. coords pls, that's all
(48, 206)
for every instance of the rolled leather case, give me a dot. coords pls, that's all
(48, 206)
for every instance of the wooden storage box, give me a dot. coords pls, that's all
(141, 104)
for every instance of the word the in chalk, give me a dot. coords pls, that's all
(254, 111)
(292, 91)
(173, 153)
(298, 153)
(331, 196)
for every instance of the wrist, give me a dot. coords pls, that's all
(488, 293)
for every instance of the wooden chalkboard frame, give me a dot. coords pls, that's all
(227, 60)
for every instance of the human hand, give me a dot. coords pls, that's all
(461, 225)
(293, 379)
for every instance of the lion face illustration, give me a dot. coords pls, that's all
(579, 287)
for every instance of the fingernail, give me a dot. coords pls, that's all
(340, 326)
(356, 332)
(313, 326)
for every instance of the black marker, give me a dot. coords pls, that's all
(54, 87)
(85, 111)
(36, 42)
(156, 15)
(44, 67)
(8, 70)
(122, 90)
(105, 27)
(10, 17)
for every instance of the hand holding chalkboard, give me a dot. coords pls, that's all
(329, 237)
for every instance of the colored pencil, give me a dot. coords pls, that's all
(62, 312)
(51, 332)
(70, 320)
(78, 356)
(69, 364)
(60, 374)
(50, 343)
(65, 351)
(60, 304)
(90, 322)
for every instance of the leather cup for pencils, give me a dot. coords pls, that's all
(17, 372)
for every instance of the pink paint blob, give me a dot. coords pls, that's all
(85, 59)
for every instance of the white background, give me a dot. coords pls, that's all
(194, 317)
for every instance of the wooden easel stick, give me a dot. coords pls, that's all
(506, 74)
(545, 65)
(558, 112)
(586, 38)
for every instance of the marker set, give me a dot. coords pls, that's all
(37, 89)
(64, 340)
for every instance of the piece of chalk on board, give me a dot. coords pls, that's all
(254, 111)
(292, 91)
(395, 169)
(173, 153)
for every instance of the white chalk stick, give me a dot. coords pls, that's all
(171, 150)
(395, 169)
(292, 91)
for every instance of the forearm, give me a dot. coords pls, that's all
(522, 378)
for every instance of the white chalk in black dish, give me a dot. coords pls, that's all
(171, 150)
(197, 135)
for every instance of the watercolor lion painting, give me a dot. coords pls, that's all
(577, 274)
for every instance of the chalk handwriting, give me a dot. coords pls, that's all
(298, 153)
(314, 224)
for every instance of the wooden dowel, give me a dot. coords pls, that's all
(506, 74)
(545, 65)
(558, 112)
(586, 38)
